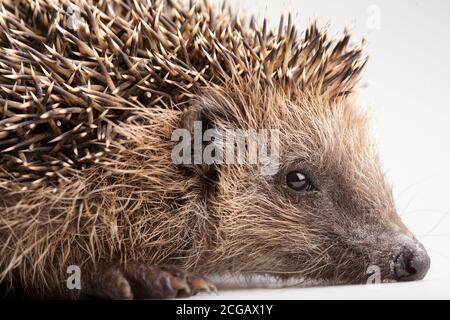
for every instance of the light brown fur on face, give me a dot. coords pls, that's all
(87, 179)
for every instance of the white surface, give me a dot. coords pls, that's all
(407, 90)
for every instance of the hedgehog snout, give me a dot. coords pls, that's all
(411, 262)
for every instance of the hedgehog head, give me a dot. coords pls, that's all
(325, 212)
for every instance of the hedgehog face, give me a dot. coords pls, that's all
(327, 213)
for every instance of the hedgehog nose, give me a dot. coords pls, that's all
(412, 263)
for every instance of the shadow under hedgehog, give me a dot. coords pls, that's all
(90, 94)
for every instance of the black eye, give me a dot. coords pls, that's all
(298, 181)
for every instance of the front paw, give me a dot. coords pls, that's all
(140, 281)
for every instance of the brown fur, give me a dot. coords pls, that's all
(109, 191)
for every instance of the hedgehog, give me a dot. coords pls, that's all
(91, 93)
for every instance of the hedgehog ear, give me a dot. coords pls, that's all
(201, 123)
(195, 121)
(193, 115)
(206, 110)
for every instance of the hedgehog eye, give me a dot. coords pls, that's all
(298, 181)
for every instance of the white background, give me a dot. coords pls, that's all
(406, 87)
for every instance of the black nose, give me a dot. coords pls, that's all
(412, 264)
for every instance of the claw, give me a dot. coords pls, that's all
(179, 284)
(138, 281)
(199, 284)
